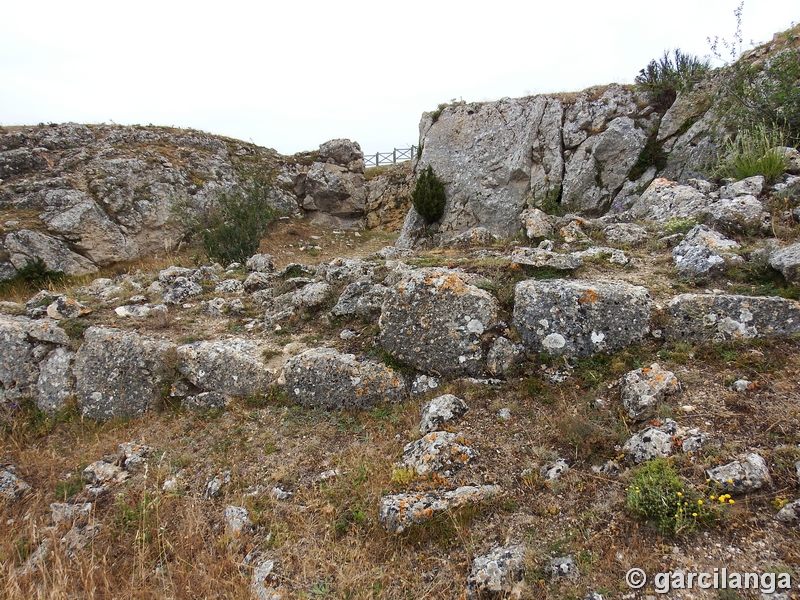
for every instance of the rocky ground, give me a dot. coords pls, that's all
(341, 418)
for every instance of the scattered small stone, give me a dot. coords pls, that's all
(540, 258)
(262, 263)
(742, 385)
(66, 308)
(693, 441)
(644, 388)
(281, 494)
(329, 474)
(563, 567)
(553, 470)
(437, 452)
(746, 474)
(504, 414)
(610, 467)
(399, 511)
(101, 472)
(11, 486)
(264, 581)
(790, 513)
(214, 486)
(423, 384)
(653, 442)
(238, 520)
(229, 286)
(495, 574)
(347, 334)
(441, 410)
(62, 512)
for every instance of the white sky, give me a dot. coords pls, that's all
(291, 76)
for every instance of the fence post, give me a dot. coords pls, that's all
(394, 156)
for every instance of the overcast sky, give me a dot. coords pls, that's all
(291, 75)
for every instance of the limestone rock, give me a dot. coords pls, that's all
(577, 318)
(495, 574)
(653, 442)
(11, 486)
(349, 269)
(101, 472)
(181, 290)
(119, 373)
(237, 518)
(26, 246)
(433, 320)
(741, 214)
(537, 224)
(541, 258)
(642, 389)
(229, 286)
(503, 355)
(326, 378)
(342, 152)
(133, 455)
(721, 317)
(362, 298)
(563, 567)
(389, 197)
(751, 186)
(261, 263)
(704, 252)
(398, 512)
(787, 261)
(664, 200)
(63, 512)
(599, 167)
(333, 195)
(625, 234)
(233, 366)
(440, 411)
(551, 471)
(204, 401)
(437, 452)
(55, 384)
(263, 582)
(744, 475)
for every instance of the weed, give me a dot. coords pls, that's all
(659, 496)
(753, 152)
(679, 225)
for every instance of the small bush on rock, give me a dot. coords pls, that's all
(428, 196)
(662, 79)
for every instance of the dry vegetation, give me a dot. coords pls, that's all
(326, 540)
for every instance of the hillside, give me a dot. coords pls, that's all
(524, 399)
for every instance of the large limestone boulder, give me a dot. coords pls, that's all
(23, 344)
(787, 261)
(55, 384)
(577, 318)
(433, 320)
(120, 373)
(326, 378)
(721, 317)
(704, 252)
(232, 367)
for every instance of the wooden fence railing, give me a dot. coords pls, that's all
(390, 158)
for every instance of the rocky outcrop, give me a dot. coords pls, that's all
(389, 197)
(433, 320)
(496, 158)
(577, 318)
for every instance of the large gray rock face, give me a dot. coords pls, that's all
(599, 167)
(490, 156)
(578, 318)
(329, 379)
(721, 317)
(120, 373)
(433, 320)
(233, 367)
(55, 384)
(26, 246)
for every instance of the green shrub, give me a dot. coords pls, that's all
(662, 79)
(765, 94)
(659, 496)
(753, 152)
(428, 196)
(232, 230)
